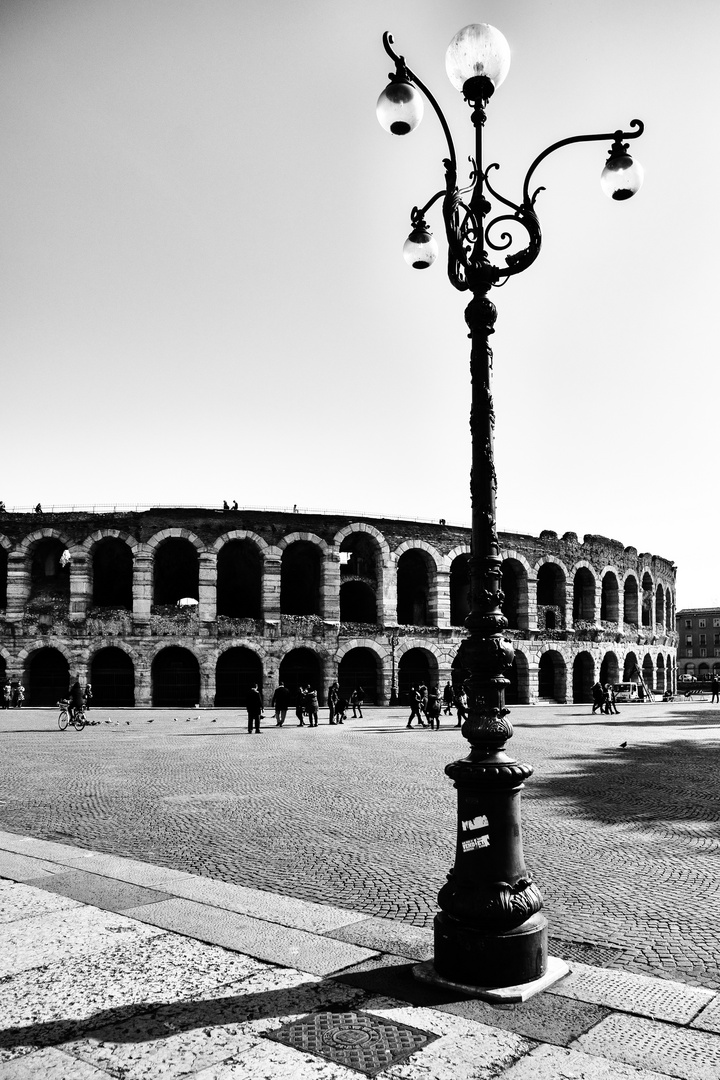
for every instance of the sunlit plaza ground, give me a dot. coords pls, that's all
(623, 840)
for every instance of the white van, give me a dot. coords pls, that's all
(626, 691)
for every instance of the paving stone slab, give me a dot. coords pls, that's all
(186, 1038)
(24, 901)
(676, 1051)
(272, 1061)
(49, 1005)
(659, 999)
(117, 866)
(50, 1064)
(465, 1050)
(554, 1062)
(545, 1018)
(387, 936)
(709, 1018)
(101, 892)
(299, 914)
(24, 867)
(266, 941)
(49, 939)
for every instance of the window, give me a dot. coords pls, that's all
(688, 624)
(703, 639)
(716, 639)
(716, 622)
(703, 652)
(716, 652)
(688, 652)
(688, 640)
(701, 624)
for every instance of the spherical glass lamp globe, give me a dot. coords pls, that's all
(622, 177)
(400, 108)
(420, 250)
(477, 49)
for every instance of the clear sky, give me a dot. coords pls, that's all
(203, 296)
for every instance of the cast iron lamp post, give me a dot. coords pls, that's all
(490, 937)
(393, 641)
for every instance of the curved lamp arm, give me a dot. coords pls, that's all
(616, 136)
(403, 70)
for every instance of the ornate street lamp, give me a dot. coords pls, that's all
(393, 641)
(490, 938)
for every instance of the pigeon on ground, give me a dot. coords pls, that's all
(623, 745)
(213, 721)
(127, 722)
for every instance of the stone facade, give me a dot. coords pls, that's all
(191, 606)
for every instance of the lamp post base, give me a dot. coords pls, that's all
(470, 956)
(495, 995)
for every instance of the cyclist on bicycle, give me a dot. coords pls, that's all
(76, 698)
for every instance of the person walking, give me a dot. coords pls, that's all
(448, 699)
(462, 706)
(423, 691)
(300, 706)
(280, 702)
(254, 709)
(311, 706)
(7, 695)
(715, 687)
(20, 695)
(88, 696)
(415, 713)
(341, 708)
(333, 696)
(356, 700)
(610, 706)
(598, 696)
(433, 708)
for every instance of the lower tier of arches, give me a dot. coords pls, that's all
(190, 673)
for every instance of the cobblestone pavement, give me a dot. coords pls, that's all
(623, 840)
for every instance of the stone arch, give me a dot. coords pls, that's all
(552, 676)
(175, 677)
(310, 538)
(648, 671)
(421, 545)
(631, 668)
(610, 595)
(647, 597)
(515, 585)
(363, 555)
(584, 592)
(240, 534)
(174, 533)
(459, 588)
(659, 606)
(417, 664)
(47, 670)
(362, 526)
(583, 678)
(660, 674)
(518, 692)
(237, 669)
(552, 577)
(5, 547)
(46, 532)
(631, 611)
(110, 562)
(416, 584)
(304, 665)
(361, 667)
(301, 574)
(239, 575)
(609, 668)
(670, 614)
(111, 670)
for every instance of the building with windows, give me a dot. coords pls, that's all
(698, 631)
(177, 607)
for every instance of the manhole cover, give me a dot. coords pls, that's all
(357, 1040)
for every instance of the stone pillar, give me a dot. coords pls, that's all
(330, 587)
(533, 682)
(207, 685)
(207, 587)
(568, 612)
(18, 585)
(143, 687)
(440, 602)
(532, 602)
(621, 607)
(79, 587)
(271, 579)
(142, 586)
(389, 599)
(598, 600)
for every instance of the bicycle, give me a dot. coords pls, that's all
(77, 719)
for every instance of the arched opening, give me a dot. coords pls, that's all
(413, 588)
(47, 677)
(552, 677)
(460, 590)
(690, 669)
(112, 574)
(360, 668)
(237, 671)
(300, 579)
(176, 572)
(660, 675)
(703, 671)
(669, 613)
(583, 678)
(660, 607)
(358, 602)
(648, 671)
(647, 599)
(630, 601)
(175, 678)
(112, 674)
(239, 580)
(416, 667)
(631, 669)
(302, 667)
(518, 692)
(49, 574)
(609, 669)
(514, 585)
(3, 577)
(583, 595)
(360, 562)
(609, 608)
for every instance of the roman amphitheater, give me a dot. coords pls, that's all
(177, 607)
